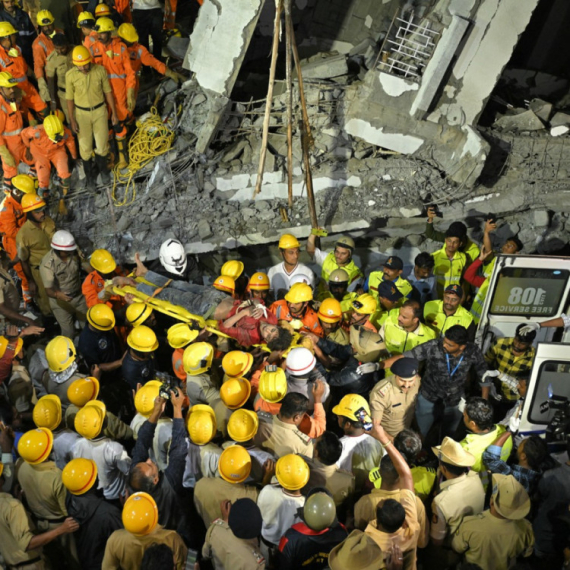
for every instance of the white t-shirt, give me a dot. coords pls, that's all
(280, 279)
(361, 452)
(279, 511)
(146, 4)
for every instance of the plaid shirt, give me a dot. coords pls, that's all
(445, 379)
(526, 477)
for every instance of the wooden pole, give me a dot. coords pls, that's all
(308, 175)
(289, 78)
(269, 100)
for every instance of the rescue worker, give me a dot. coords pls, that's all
(125, 547)
(258, 287)
(179, 336)
(339, 258)
(280, 275)
(86, 22)
(363, 307)
(197, 360)
(60, 272)
(113, 55)
(42, 48)
(393, 400)
(138, 364)
(93, 288)
(58, 63)
(11, 12)
(12, 218)
(110, 9)
(32, 244)
(338, 289)
(87, 88)
(450, 261)
(389, 297)
(12, 149)
(391, 271)
(441, 315)
(47, 144)
(148, 20)
(422, 280)
(139, 56)
(302, 375)
(295, 309)
(330, 318)
(11, 60)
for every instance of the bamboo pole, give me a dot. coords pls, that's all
(308, 175)
(289, 79)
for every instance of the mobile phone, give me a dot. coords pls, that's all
(191, 559)
(363, 417)
(492, 218)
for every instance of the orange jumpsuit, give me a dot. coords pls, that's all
(140, 56)
(45, 152)
(18, 67)
(89, 40)
(177, 364)
(309, 319)
(12, 218)
(11, 125)
(120, 73)
(41, 48)
(123, 8)
(91, 288)
(170, 13)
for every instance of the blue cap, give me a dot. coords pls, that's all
(455, 290)
(389, 291)
(405, 367)
(394, 262)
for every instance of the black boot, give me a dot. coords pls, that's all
(103, 169)
(90, 175)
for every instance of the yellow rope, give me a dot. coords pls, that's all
(151, 139)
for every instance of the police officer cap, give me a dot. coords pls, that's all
(455, 290)
(394, 262)
(245, 519)
(405, 368)
(389, 291)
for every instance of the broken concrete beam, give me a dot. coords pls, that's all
(325, 68)
(560, 124)
(522, 122)
(542, 109)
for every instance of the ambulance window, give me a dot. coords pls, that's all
(556, 377)
(529, 292)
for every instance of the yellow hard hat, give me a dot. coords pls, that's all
(81, 56)
(24, 183)
(140, 514)
(237, 363)
(60, 115)
(287, 241)
(79, 475)
(299, 293)
(53, 128)
(6, 29)
(232, 268)
(90, 418)
(128, 32)
(235, 392)
(44, 18)
(225, 283)
(35, 445)
(365, 304)
(102, 10)
(273, 384)
(142, 339)
(242, 425)
(60, 353)
(180, 335)
(330, 311)
(145, 397)
(292, 472)
(47, 412)
(258, 282)
(104, 24)
(31, 202)
(6, 79)
(197, 358)
(84, 18)
(83, 390)
(349, 405)
(101, 317)
(138, 313)
(201, 424)
(102, 261)
(234, 464)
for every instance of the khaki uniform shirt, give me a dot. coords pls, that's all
(57, 66)
(15, 531)
(201, 390)
(281, 438)
(457, 498)
(210, 491)
(393, 407)
(87, 90)
(340, 336)
(229, 552)
(8, 292)
(339, 482)
(125, 550)
(492, 542)
(60, 389)
(62, 275)
(34, 242)
(44, 490)
(365, 510)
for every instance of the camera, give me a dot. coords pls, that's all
(167, 387)
(559, 426)
(363, 417)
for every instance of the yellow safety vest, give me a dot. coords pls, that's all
(330, 264)
(440, 322)
(345, 304)
(398, 340)
(403, 285)
(448, 272)
(476, 444)
(472, 251)
(479, 301)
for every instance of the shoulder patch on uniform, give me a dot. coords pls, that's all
(303, 436)
(265, 416)
(259, 559)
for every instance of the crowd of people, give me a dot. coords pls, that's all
(278, 419)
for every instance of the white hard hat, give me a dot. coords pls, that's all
(299, 278)
(173, 257)
(300, 361)
(63, 241)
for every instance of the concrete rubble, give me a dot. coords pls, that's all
(384, 146)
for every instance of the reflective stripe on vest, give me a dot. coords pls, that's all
(330, 264)
(43, 45)
(434, 315)
(11, 133)
(479, 301)
(448, 272)
(20, 79)
(399, 340)
(115, 76)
